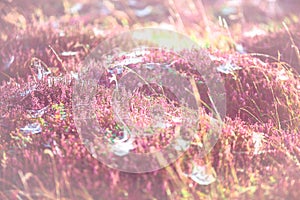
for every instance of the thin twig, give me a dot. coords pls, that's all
(58, 58)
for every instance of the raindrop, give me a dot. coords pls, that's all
(144, 12)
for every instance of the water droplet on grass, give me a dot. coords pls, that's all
(37, 113)
(228, 68)
(202, 175)
(34, 128)
(69, 53)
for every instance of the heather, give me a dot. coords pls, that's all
(42, 51)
